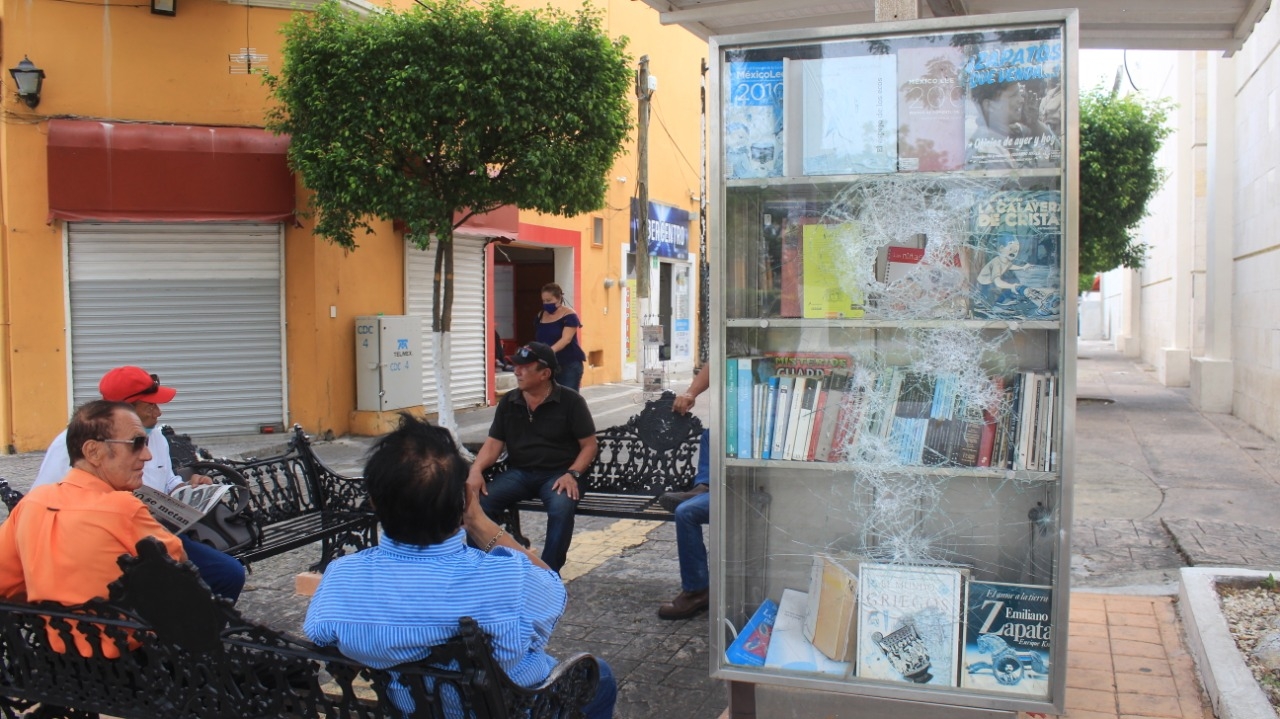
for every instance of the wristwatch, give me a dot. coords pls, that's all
(575, 474)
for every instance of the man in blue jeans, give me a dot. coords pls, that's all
(692, 510)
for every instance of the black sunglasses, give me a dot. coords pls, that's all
(525, 355)
(135, 445)
(155, 387)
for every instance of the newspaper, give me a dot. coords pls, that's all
(186, 506)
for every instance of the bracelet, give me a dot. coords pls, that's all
(494, 541)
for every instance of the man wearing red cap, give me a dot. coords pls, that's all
(135, 386)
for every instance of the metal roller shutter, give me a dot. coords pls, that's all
(467, 374)
(198, 304)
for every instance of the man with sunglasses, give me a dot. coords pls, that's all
(61, 541)
(142, 390)
(550, 440)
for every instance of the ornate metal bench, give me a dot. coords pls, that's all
(653, 453)
(196, 656)
(295, 499)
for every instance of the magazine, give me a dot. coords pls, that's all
(753, 120)
(187, 505)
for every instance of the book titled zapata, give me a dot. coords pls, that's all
(909, 623)
(1008, 638)
(1017, 236)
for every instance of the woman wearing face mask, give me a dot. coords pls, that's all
(558, 326)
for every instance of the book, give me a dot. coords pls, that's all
(1017, 236)
(830, 621)
(810, 364)
(753, 120)
(782, 416)
(782, 256)
(770, 403)
(900, 261)
(746, 408)
(819, 414)
(909, 623)
(731, 408)
(788, 648)
(839, 382)
(930, 109)
(184, 507)
(752, 643)
(1008, 638)
(831, 291)
(1006, 84)
(795, 419)
(850, 115)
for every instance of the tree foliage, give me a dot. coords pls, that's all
(449, 106)
(1119, 139)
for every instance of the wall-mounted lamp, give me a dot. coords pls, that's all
(29, 78)
(164, 7)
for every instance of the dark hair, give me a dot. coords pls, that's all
(94, 420)
(417, 481)
(554, 290)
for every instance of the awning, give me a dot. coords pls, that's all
(167, 173)
(503, 223)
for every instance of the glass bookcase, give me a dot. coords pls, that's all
(894, 261)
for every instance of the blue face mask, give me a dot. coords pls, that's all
(549, 308)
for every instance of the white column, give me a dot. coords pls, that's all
(1212, 380)
(1174, 367)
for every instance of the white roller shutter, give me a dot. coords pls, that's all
(199, 304)
(467, 370)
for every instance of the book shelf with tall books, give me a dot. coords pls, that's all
(894, 267)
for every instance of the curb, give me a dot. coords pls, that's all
(1234, 692)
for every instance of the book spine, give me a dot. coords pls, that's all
(770, 403)
(745, 408)
(795, 420)
(731, 408)
(819, 414)
(782, 413)
(830, 416)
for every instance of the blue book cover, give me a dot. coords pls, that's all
(731, 408)
(1017, 237)
(753, 137)
(1008, 638)
(751, 645)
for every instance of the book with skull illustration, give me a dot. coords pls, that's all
(1008, 638)
(909, 623)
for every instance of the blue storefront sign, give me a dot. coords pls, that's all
(668, 230)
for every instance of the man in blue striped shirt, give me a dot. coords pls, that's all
(390, 603)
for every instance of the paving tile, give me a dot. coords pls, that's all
(1077, 643)
(1147, 635)
(1081, 678)
(1090, 660)
(1089, 630)
(1155, 667)
(1129, 648)
(1127, 683)
(1132, 620)
(1150, 705)
(1094, 700)
(1096, 616)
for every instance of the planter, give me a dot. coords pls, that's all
(1234, 692)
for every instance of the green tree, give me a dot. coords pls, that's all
(1119, 139)
(449, 107)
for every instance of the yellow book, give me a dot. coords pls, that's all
(831, 623)
(829, 288)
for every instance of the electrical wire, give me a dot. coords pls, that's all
(1125, 58)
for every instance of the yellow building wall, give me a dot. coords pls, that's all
(121, 63)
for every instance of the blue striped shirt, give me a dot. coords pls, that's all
(389, 604)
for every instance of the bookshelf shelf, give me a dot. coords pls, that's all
(893, 351)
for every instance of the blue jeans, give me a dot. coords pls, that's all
(691, 514)
(221, 571)
(515, 485)
(570, 375)
(601, 707)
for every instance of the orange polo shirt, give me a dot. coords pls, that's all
(62, 540)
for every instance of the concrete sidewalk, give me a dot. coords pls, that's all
(1158, 486)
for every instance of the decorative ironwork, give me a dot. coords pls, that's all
(9, 495)
(190, 654)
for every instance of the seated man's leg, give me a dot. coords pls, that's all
(560, 516)
(601, 707)
(513, 485)
(694, 576)
(221, 571)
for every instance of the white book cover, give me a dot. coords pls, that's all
(788, 649)
(909, 623)
(850, 115)
(795, 419)
(782, 416)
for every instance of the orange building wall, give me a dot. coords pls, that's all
(121, 63)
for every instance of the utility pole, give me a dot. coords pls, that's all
(643, 93)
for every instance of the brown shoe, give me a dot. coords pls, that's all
(685, 605)
(671, 500)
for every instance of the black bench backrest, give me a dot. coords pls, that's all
(654, 452)
(195, 656)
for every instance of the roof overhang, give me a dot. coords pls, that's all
(1222, 25)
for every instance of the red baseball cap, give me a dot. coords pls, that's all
(133, 384)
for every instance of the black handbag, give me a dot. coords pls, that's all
(229, 526)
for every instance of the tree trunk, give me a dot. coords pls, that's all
(441, 322)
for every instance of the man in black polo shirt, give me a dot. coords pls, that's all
(550, 440)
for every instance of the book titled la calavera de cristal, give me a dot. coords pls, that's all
(1008, 638)
(909, 623)
(1017, 236)
(753, 137)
